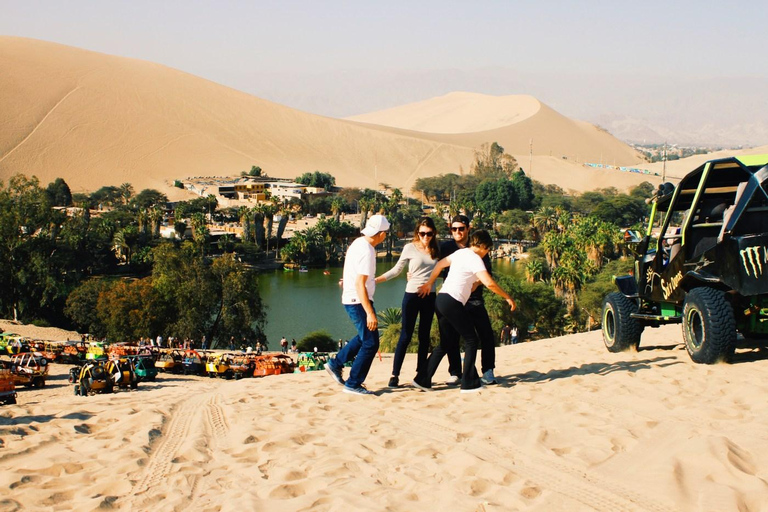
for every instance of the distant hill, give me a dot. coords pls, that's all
(96, 120)
(519, 123)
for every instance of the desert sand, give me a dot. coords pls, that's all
(96, 120)
(521, 124)
(569, 427)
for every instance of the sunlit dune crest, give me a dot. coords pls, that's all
(456, 112)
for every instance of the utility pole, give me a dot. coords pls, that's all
(664, 164)
(530, 158)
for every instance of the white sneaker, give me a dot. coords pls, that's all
(473, 390)
(453, 380)
(419, 386)
(488, 378)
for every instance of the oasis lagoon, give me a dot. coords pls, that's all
(301, 302)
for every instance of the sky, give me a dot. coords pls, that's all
(586, 58)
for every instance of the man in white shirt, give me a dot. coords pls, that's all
(357, 297)
(467, 268)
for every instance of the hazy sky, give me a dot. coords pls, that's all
(278, 48)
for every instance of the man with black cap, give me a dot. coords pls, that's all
(358, 286)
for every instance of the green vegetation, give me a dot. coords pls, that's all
(317, 339)
(317, 179)
(101, 266)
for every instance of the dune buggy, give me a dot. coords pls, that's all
(705, 264)
(29, 369)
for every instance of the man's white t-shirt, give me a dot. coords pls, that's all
(360, 259)
(465, 264)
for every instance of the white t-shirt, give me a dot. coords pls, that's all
(360, 259)
(465, 265)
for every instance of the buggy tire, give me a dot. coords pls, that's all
(621, 332)
(709, 326)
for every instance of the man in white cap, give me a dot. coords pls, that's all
(357, 297)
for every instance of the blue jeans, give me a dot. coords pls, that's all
(414, 306)
(361, 349)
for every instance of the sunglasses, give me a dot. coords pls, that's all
(426, 233)
(460, 229)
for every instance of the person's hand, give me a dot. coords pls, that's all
(408, 276)
(423, 290)
(372, 322)
(512, 305)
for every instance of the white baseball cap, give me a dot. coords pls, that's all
(375, 224)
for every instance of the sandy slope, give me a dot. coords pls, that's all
(677, 169)
(571, 427)
(518, 123)
(96, 119)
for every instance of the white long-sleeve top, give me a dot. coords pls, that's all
(420, 266)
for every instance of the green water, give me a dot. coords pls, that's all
(301, 302)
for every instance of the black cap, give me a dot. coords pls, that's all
(460, 218)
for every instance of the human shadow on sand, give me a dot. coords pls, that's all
(601, 368)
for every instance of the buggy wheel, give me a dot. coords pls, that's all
(620, 331)
(709, 326)
(134, 385)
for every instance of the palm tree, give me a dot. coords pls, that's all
(126, 192)
(155, 216)
(389, 316)
(245, 222)
(534, 271)
(554, 244)
(258, 223)
(544, 220)
(337, 204)
(269, 211)
(199, 231)
(366, 205)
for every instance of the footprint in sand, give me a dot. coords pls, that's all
(530, 492)
(287, 491)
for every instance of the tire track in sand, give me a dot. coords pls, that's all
(217, 433)
(577, 483)
(38, 125)
(160, 462)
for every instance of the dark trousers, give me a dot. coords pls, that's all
(414, 306)
(454, 322)
(482, 323)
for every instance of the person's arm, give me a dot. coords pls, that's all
(488, 281)
(396, 270)
(362, 293)
(424, 289)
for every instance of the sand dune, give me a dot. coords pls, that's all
(518, 123)
(677, 169)
(570, 427)
(97, 120)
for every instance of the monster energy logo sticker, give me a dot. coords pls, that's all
(752, 261)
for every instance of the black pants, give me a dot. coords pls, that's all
(482, 323)
(414, 306)
(454, 322)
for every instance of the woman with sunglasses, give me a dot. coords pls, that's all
(421, 255)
